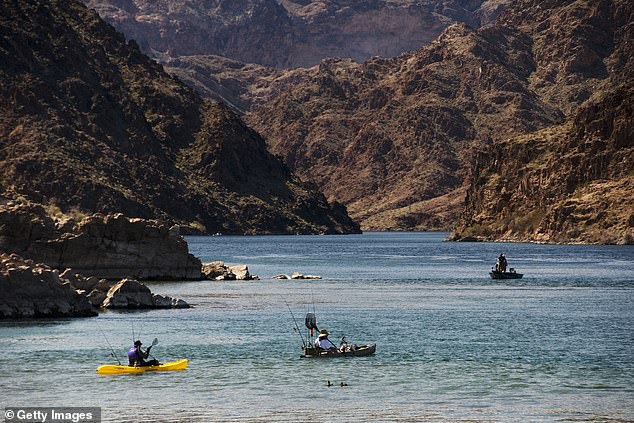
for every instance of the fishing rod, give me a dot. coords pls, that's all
(111, 349)
(296, 325)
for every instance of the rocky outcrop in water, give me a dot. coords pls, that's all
(219, 271)
(31, 290)
(35, 290)
(105, 246)
(132, 294)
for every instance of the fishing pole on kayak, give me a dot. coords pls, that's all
(296, 325)
(111, 349)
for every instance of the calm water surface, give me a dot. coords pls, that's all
(453, 345)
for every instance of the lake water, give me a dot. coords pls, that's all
(452, 344)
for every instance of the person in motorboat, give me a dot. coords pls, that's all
(137, 357)
(322, 342)
(500, 266)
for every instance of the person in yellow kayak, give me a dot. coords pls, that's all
(137, 357)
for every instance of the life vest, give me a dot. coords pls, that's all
(132, 355)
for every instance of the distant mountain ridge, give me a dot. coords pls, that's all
(288, 33)
(88, 123)
(503, 115)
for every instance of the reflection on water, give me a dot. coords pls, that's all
(453, 345)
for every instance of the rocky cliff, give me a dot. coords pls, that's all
(88, 123)
(545, 87)
(111, 246)
(288, 33)
(410, 135)
(569, 182)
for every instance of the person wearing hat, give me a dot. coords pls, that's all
(137, 357)
(323, 342)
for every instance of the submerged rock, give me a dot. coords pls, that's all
(298, 275)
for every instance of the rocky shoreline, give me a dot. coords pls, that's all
(35, 290)
(57, 266)
(62, 267)
(106, 246)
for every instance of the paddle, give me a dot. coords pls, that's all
(154, 342)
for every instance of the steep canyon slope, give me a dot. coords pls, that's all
(90, 124)
(571, 182)
(403, 132)
(526, 116)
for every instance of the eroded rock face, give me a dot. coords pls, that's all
(111, 246)
(571, 183)
(30, 290)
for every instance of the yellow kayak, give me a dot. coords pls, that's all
(114, 369)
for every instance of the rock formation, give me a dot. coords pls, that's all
(569, 182)
(89, 124)
(219, 271)
(411, 134)
(30, 290)
(529, 113)
(401, 132)
(35, 290)
(111, 246)
(131, 294)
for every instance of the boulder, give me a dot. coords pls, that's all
(97, 297)
(280, 276)
(241, 271)
(30, 290)
(219, 271)
(168, 302)
(132, 294)
(128, 293)
(216, 270)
